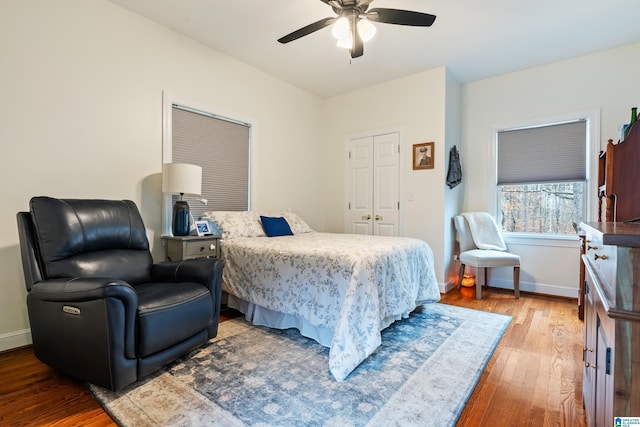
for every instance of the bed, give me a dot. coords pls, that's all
(338, 289)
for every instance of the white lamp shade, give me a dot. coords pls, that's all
(366, 29)
(340, 28)
(347, 42)
(181, 178)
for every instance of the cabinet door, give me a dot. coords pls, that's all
(589, 355)
(604, 379)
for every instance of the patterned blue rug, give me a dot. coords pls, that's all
(422, 375)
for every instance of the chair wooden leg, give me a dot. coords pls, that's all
(516, 281)
(461, 275)
(479, 285)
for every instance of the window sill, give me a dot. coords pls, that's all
(532, 239)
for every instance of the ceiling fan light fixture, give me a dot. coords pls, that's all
(366, 29)
(346, 42)
(340, 29)
(352, 23)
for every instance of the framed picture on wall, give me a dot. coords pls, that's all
(423, 155)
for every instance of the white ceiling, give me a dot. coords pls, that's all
(473, 39)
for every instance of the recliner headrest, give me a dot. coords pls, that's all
(90, 238)
(68, 227)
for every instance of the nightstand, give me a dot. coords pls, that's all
(189, 247)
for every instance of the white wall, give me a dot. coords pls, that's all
(81, 116)
(606, 81)
(416, 105)
(453, 197)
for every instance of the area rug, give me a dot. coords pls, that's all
(422, 375)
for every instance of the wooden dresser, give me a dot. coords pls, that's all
(611, 381)
(618, 177)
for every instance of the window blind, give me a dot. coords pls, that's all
(221, 147)
(553, 153)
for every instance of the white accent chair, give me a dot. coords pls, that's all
(471, 255)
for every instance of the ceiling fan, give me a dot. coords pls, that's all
(352, 26)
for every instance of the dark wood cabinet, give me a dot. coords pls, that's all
(581, 294)
(618, 191)
(619, 187)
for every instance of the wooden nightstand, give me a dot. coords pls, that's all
(188, 247)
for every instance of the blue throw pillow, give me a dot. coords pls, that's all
(275, 226)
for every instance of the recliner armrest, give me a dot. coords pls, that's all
(110, 303)
(85, 289)
(200, 270)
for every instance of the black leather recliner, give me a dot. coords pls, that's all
(99, 309)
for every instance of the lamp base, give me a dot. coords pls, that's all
(180, 225)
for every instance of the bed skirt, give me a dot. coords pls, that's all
(262, 316)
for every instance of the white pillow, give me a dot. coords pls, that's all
(236, 223)
(296, 223)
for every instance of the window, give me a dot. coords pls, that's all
(221, 146)
(541, 177)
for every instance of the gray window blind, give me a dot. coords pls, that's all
(221, 147)
(554, 153)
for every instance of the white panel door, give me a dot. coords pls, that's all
(373, 187)
(385, 184)
(360, 186)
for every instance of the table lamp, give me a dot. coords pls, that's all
(181, 178)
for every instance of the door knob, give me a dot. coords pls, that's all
(378, 217)
(368, 216)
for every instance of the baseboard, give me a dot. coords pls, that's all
(537, 288)
(446, 287)
(15, 339)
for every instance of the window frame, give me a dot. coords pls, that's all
(592, 118)
(168, 101)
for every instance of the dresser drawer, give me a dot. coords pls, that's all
(188, 247)
(601, 257)
(204, 248)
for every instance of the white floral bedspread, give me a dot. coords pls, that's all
(354, 285)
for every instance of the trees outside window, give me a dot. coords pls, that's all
(549, 208)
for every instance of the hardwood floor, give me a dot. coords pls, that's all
(535, 375)
(533, 379)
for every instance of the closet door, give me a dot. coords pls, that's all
(385, 184)
(360, 178)
(373, 185)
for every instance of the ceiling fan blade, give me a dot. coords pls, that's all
(401, 17)
(363, 3)
(357, 49)
(318, 25)
(328, 2)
